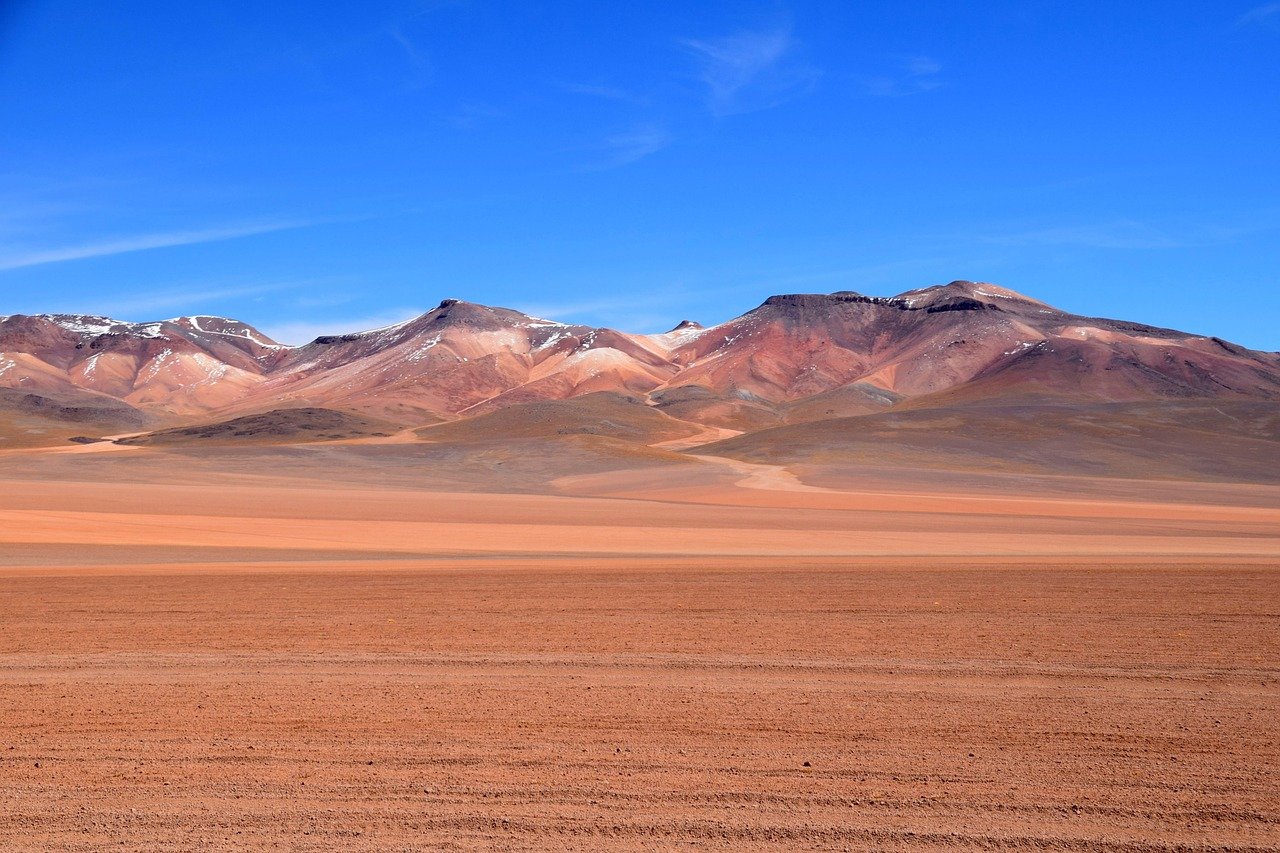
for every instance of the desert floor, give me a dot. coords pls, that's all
(716, 656)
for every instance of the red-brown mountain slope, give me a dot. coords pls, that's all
(795, 358)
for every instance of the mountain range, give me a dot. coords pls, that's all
(795, 360)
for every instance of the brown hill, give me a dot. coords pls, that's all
(1197, 440)
(28, 419)
(602, 414)
(282, 426)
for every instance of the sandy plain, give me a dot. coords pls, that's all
(282, 650)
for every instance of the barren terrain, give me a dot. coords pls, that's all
(317, 649)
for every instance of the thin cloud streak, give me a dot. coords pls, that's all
(196, 300)
(1268, 13)
(628, 312)
(144, 242)
(1133, 234)
(625, 148)
(749, 71)
(471, 115)
(1114, 235)
(917, 74)
(423, 70)
(1107, 235)
(857, 277)
(608, 93)
(304, 331)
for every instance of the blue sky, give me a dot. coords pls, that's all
(318, 167)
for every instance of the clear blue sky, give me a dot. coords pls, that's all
(313, 167)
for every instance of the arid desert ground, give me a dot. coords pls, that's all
(313, 648)
(633, 427)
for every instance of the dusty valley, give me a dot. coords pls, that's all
(270, 649)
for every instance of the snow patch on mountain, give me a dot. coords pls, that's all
(423, 349)
(155, 366)
(96, 326)
(91, 366)
(243, 331)
(553, 340)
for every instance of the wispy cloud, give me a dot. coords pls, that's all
(325, 300)
(191, 297)
(575, 309)
(629, 312)
(140, 243)
(304, 331)
(1124, 234)
(608, 93)
(416, 57)
(750, 71)
(857, 277)
(1268, 14)
(912, 76)
(1170, 233)
(471, 115)
(621, 149)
